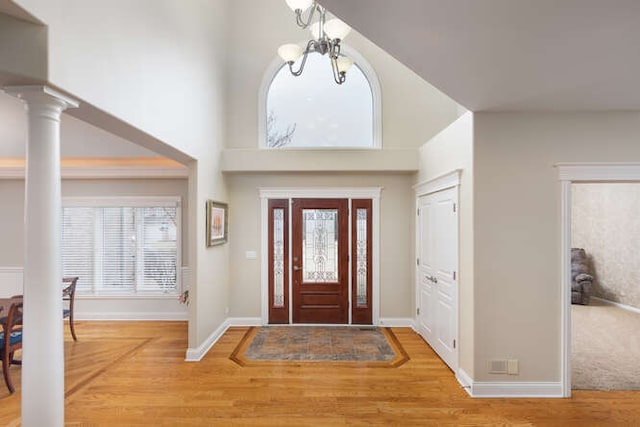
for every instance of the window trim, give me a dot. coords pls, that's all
(141, 201)
(376, 92)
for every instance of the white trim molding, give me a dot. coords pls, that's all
(448, 180)
(598, 171)
(617, 304)
(196, 354)
(569, 173)
(105, 172)
(267, 193)
(515, 389)
(244, 321)
(398, 322)
(320, 193)
(465, 380)
(509, 389)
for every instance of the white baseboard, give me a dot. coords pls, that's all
(397, 322)
(244, 321)
(196, 354)
(122, 316)
(509, 389)
(617, 304)
(465, 381)
(516, 389)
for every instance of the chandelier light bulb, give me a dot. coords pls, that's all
(315, 30)
(290, 52)
(344, 63)
(336, 29)
(301, 5)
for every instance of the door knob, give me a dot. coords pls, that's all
(296, 268)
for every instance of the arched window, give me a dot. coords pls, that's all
(312, 111)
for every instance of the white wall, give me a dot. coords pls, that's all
(157, 65)
(517, 228)
(23, 47)
(77, 138)
(413, 110)
(452, 149)
(396, 234)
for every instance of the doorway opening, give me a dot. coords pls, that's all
(570, 174)
(605, 295)
(320, 253)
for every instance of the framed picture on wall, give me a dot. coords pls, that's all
(217, 221)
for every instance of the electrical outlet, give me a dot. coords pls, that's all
(226, 310)
(512, 367)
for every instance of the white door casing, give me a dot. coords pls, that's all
(568, 174)
(372, 193)
(437, 266)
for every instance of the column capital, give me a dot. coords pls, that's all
(42, 95)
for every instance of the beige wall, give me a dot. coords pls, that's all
(12, 212)
(23, 47)
(605, 222)
(396, 235)
(413, 110)
(162, 72)
(452, 149)
(517, 228)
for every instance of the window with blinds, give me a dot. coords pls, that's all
(125, 247)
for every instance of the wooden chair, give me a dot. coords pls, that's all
(69, 294)
(11, 339)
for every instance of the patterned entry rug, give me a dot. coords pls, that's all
(364, 346)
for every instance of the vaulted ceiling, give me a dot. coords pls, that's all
(512, 55)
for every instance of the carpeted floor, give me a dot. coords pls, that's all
(605, 348)
(321, 344)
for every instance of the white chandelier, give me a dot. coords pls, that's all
(327, 36)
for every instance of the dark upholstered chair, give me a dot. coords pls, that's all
(11, 338)
(581, 278)
(69, 295)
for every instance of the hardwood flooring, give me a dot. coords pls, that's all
(133, 373)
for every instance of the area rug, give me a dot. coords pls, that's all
(361, 346)
(605, 347)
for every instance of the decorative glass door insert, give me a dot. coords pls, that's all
(278, 261)
(320, 261)
(320, 245)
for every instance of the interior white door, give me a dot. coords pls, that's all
(437, 281)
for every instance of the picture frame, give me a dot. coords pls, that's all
(217, 223)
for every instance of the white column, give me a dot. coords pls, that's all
(42, 346)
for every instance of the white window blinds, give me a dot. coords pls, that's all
(122, 250)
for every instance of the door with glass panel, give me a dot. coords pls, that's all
(330, 249)
(320, 260)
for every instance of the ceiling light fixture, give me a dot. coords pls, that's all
(327, 36)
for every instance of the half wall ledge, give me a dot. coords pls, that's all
(307, 160)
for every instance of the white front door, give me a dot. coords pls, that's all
(437, 281)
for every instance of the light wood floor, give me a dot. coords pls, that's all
(133, 373)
